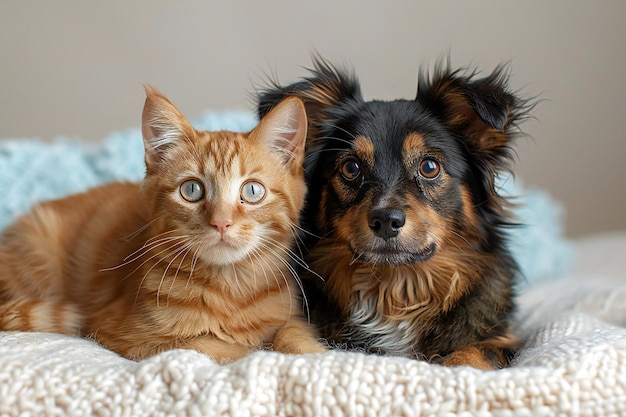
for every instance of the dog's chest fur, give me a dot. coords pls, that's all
(366, 328)
(386, 309)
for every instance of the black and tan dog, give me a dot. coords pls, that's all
(407, 220)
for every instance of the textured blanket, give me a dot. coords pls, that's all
(573, 361)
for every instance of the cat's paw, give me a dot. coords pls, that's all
(297, 337)
(300, 348)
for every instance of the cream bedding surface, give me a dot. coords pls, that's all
(573, 363)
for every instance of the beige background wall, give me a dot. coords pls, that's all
(76, 68)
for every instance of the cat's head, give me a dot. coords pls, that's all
(224, 196)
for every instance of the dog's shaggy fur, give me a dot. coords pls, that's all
(405, 214)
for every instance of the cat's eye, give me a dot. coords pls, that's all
(252, 192)
(350, 169)
(429, 169)
(192, 190)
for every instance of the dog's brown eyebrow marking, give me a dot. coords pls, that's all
(412, 149)
(365, 149)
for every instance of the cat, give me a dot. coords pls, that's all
(197, 256)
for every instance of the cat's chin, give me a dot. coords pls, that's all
(224, 254)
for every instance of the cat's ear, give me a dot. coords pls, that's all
(284, 129)
(162, 125)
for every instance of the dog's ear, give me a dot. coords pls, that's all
(324, 92)
(481, 111)
(327, 87)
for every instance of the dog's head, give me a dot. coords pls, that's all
(398, 182)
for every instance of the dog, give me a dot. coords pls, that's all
(405, 224)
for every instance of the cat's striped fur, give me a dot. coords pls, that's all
(144, 268)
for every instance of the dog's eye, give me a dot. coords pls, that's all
(350, 170)
(429, 169)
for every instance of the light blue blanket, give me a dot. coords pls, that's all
(32, 170)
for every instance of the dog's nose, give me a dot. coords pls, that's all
(386, 223)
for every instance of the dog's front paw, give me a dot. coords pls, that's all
(476, 357)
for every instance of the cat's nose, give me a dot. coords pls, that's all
(221, 225)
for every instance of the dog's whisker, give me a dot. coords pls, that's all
(341, 129)
(355, 257)
(460, 237)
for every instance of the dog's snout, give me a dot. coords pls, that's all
(386, 223)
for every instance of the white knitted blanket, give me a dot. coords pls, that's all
(573, 363)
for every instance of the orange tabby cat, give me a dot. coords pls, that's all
(196, 257)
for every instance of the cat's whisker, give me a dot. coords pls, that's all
(172, 248)
(295, 275)
(141, 229)
(158, 237)
(177, 252)
(169, 248)
(299, 261)
(194, 261)
(138, 231)
(145, 275)
(155, 240)
(298, 239)
(277, 267)
(146, 250)
(262, 263)
(160, 259)
(303, 230)
(263, 256)
(290, 253)
(181, 263)
(260, 259)
(279, 256)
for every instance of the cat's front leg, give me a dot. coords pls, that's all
(297, 337)
(220, 351)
